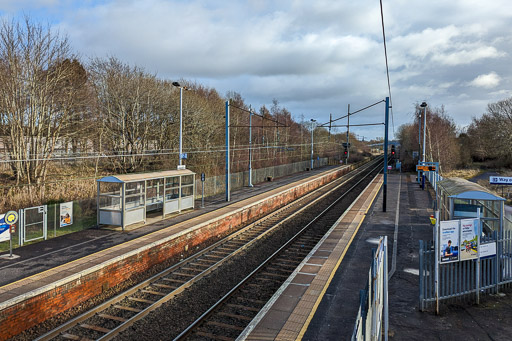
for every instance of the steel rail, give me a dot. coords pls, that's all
(75, 321)
(228, 295)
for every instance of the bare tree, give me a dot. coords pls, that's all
(490, 136)
(42, 92)
(128, 110)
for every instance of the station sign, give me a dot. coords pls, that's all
(11, 217)
(426, 168)
(183, 155)
(500, 180)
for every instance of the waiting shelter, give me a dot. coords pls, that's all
(460, 199)
(127, 199)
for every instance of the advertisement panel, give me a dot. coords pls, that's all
(4, 229)
(449, 241)
(66, 214)
(468, 239)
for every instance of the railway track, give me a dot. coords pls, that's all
(110, 318)
(229, 316)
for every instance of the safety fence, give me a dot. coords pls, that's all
(465, 279)
(215, 185)
(372, 318)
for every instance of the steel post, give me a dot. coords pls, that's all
(385, 279)
(228, 178)
(250, 148)
(202, 194)
(385, 185)
(348, 134)
(181, 124)
(312, 129)
(436, 260)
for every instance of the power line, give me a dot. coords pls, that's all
(387, 66)
(155, 153)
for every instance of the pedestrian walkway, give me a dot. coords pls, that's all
(335, 316)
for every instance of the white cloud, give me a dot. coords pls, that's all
(487, 81)
(315, 57)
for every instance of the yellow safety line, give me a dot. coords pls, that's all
(326, 286)
(117, 245)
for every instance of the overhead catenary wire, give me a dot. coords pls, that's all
(146, 153)
(387, 65)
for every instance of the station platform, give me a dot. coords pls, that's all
(52, 276)
(325, 307)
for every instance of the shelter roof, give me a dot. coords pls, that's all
(145, 176)
(464, 189)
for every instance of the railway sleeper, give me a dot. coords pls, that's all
(122, 307)
(224, 325)
(260, 302)
(195, 269)
(243, 307)
(213, 256)
(235, 316)
(141, 300)
(276, 269)
(173, 280)
(272, 274)
(95, 328)
(268, 279)
(152, 292)
(165, 286)
(111, 317)
(69, 336)
(183, 274)
(214, 337)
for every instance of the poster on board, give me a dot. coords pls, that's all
(4, 229)
(66, 214)
(468, 239)
(449, 241)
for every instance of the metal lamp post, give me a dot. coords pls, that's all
(424, 106)
(312, 129)
(176, 84)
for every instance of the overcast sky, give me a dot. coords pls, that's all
(314, 57)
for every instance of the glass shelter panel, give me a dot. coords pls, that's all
(172, 194)
(155, 190)
(110, 202)
(134, 187)
(173, 181)
(187, 180)
(111, 188)
(134, 201)
(187, 191)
